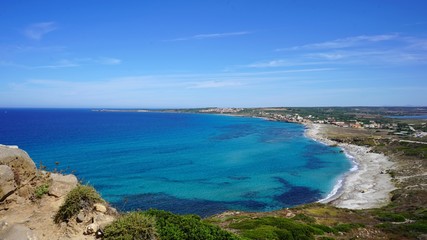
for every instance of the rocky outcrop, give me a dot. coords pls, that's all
(62, 184)
(18, 160)
(16, 170)
(7, 182)
(27, 210)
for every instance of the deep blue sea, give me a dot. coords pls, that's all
(185, 163)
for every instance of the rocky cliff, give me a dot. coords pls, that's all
(30, 198)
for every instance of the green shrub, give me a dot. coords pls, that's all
(41, 190)
(421, 214)
(386, 226)
(325, 238)
(81, 197)
(410, 230)
(132, 226)
(391, 217)
(268, 232)
(304, 218)
(347, 227)
(419, 226)
(273, 224)
(177, 227)
(324, 228)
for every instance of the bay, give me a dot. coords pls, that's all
(185, 163)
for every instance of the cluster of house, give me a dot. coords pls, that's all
(296, 118)
(221, 110)
(392, 127)
(357, 124)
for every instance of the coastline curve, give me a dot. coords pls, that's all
(366, 185)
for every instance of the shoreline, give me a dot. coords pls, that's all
(366, 185)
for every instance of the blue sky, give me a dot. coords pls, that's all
(231, 53)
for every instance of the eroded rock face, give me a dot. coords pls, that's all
(17, 231)
(62, 184)
(18, 160)
(7, 182)
(22, 216)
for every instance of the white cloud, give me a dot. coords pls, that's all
(108, 61)
(36, 49)
(385, 50)
(419, 44)
(67, 63)
(359, 56)
(280, 63)
(328, 56)
(345, 42)
(176, 82)
(209, 36)
(36, 31)
(64, 63)
(213, 84)
(272, 63)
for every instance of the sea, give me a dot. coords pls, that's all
(185, 163)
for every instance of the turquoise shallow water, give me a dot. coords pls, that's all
(185, 163)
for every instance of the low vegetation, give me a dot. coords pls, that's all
(81, 197)
(311, 221)
(410, 230)
(275, 228)
(390, 217)
(401, 221)
(132, 226)
(158, 224)
(180, 227)
(41, 190)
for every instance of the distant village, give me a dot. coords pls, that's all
(394, 128)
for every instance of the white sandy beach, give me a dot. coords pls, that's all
(368, 186)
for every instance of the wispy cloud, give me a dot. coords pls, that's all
(209, 36)
(67, 63)
(382, 49)
(34, 49)
(371, 56)
(108, 61)
(213, 84)
(64, 63)
(280, 63)
(168, 81)
(418, 44)
(36, 31)
(344, 42)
